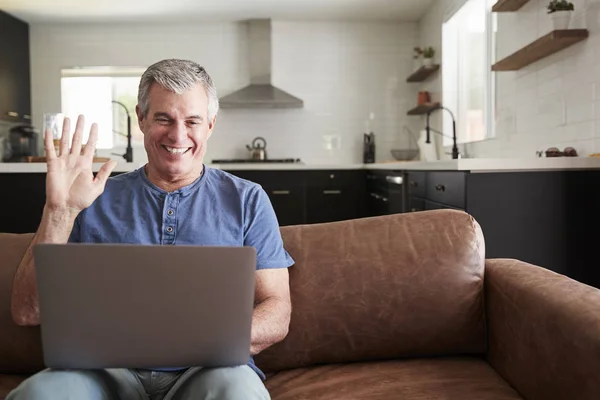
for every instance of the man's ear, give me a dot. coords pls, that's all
(140, 116)
(211, 126)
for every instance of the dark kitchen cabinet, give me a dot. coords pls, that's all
(384, 191)
(546, 218)
(286, 190)
(334, 195)
(311, 196)
(22, 202)
(288, 204)
(15, 86)
(416, 204)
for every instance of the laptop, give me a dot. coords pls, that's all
(144, 306)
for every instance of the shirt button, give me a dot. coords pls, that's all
(170, 229)
(170, 212)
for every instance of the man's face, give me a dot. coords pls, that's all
(176, 130)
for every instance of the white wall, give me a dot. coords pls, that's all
(553, 102)
(342, 71)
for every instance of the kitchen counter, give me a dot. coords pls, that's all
(482, 165)
(475, 165)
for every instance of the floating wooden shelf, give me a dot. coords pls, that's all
(508, 5)
(423, 109)
(542, 47)
(422, 73)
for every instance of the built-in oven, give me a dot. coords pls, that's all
(384, 192)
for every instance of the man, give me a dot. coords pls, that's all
(174, 199)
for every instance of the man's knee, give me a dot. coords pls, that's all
(224, 383)
(53, 384)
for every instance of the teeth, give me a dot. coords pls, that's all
(175, 150)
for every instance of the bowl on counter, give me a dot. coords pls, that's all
(405, 154)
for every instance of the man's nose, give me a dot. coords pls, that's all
(178, 132)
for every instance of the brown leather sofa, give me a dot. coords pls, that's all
(401, 307)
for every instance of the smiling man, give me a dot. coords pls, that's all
(173, 200)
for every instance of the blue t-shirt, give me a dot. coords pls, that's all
(218, 209)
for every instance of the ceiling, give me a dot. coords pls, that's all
(54, 11)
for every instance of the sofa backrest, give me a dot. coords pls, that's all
(404, 285)
(20, 347)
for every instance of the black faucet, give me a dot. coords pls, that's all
(128, 156)
(427, 128)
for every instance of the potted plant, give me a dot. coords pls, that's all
(428, 53)
(560, 12)
(417, 58)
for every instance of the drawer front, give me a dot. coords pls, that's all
(332, 204)
(446, 188)
(416, 183)
(331, 178)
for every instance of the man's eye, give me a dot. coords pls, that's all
(162, 120)
(193, 123)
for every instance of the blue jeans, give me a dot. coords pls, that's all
(124, 384)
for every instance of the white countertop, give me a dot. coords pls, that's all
(481, 165)
(477, 165)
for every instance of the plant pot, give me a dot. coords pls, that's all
(561, 19)
(423, 98)
(428, 62)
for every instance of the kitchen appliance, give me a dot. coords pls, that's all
(249, 161)
(258, 150)
(23, 142)
(260, 93)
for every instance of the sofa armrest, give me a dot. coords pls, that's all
(543, 331)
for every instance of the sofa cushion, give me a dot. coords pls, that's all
(20, 347)
(418, 379)
(404, 285)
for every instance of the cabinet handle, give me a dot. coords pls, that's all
(12, 114)
(26, 116)
(413, 210)
(332, 176)
(394, 179)
(375, 195)
(384, 199)
(440, 188)
(332, 192)
(280, 192)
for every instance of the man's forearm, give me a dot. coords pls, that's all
(55, 227)
(270, 323)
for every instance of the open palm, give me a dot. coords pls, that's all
(70, 182)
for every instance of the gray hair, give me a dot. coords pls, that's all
(177, 76)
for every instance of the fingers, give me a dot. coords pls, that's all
(49, 145)
(78, 136)
(65, 137)
(90, 146)
(104, 173)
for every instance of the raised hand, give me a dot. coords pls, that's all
(70, 183)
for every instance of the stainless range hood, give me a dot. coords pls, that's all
(260, 93)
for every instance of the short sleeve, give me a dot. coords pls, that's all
(261, 231)
(75, 236)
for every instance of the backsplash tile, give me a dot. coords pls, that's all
(341, 70)
(553, 102)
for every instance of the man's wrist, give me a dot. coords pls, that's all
(56, 224)
(60, 214)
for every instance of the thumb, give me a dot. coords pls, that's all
(104, 173)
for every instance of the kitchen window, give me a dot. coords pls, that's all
(468, 40)
(91, 90)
